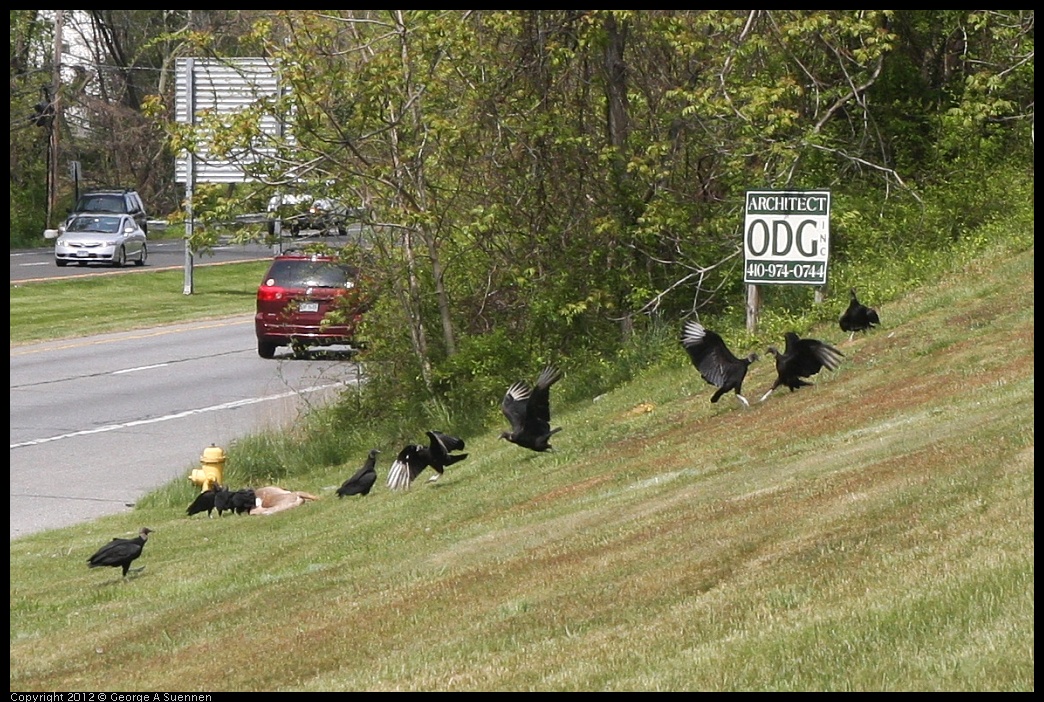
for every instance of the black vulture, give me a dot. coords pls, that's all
(364, 478)
(801, 358)
(222, 499)
(716, 364)
(204, 502)
(120, 553)
(242, 501)
(858, 317)
(414, 458)
(529, 411)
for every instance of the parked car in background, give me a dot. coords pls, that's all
(113, 239)
(295, 298)
(299, 212)
(113, 201)
(330, 216)
(288, 211)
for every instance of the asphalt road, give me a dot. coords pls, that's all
(38, 264)
(97, 422)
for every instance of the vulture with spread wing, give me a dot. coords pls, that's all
(528, 410)
(414, 458)
(715, 362)
(801, 358)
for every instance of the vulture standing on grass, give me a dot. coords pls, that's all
(801, 358)
(222, 499)
(242, 501)
(120, 553)
(529, 411)
(715, 362)
(858, 317)
(204, 502)
(364, 478)
(414, 458)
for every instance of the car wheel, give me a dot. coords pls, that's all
(266, 349)
(121, 258)
(271, 227)
(144, 256)
(60, 263)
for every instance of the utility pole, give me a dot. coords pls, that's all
(190, 178)
(56, 104)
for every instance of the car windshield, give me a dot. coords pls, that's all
(105, 225)
(306, 273)
(102, 203)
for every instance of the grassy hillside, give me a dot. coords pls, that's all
(874, 532)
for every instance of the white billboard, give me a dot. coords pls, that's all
(786, 237)
(225, 87)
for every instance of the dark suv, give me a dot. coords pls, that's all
(297, 293)
(122, 201)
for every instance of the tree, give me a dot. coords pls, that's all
(31, 111)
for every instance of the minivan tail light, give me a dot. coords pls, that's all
(271, 293)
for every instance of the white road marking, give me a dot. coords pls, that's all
(140, 368)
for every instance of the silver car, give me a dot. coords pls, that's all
(114, 239)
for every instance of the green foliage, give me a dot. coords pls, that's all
(30, 38)
(28, 201)
(472, 381)
(880, 255)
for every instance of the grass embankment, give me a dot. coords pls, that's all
(874, 532)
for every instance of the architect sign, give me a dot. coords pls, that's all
(786, 237)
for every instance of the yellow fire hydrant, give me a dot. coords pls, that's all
(211, 469)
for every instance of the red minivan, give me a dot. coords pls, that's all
(297, 293)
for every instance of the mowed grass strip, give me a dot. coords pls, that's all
(138, 298)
